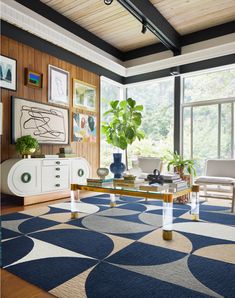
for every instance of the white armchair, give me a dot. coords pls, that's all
(148, 164)
(219, 179)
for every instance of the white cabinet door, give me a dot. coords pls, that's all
(80, 170)
(26, 178)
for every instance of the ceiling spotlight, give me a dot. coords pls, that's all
(144, 28)
(108, 2)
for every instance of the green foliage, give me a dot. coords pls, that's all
(178, 161)
(25, 144)
(122, 126)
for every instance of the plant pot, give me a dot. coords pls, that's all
(117, 167)
(27, 154)
(179, 170)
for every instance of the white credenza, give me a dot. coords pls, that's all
(42, 179)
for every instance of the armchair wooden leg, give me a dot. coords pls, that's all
(233, 200)
(205, 192)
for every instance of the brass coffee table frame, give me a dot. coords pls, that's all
(166, 197)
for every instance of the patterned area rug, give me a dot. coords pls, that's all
(119, 252)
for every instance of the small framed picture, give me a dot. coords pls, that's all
(58, 85)
(7, 73)
(33, 79)
(84, 95)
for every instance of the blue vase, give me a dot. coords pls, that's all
(117, 167)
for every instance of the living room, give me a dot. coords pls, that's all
(117, 148)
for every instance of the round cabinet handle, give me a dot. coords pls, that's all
(57, 162)
(57, 176)
(57, 169)
(26, 177)
(80, 172)
(57, 185)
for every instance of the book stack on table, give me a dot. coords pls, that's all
(99, 182)
(127, 182)
(154, 187)
(174, 182)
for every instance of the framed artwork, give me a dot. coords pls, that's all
(84, 128)
(1, 120)
(33, 79)
(58, 87)
(84, 95)
(7, 73)
(46, 123)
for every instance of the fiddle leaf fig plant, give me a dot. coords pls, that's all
(123, 125)
(26, 145)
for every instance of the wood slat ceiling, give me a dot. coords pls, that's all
(188, 16)
(117, 26)
(112, 23)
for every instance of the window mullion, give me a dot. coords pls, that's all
(191, 139)
(232, 131)
(219, 130)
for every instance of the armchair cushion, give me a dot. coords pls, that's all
(215, 180)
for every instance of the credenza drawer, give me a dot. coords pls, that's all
(55, 162)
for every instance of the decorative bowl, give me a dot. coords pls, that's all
(102, 172)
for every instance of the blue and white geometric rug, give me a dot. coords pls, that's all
(119, 252)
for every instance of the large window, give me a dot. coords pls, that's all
(208, 106)
(109, 91)
(157, 97)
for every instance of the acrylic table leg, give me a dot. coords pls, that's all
(167, 217)
(112, 200)
(195, 202)
(74, 196)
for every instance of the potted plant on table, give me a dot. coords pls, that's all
(26, 146)
(180, 164)
(122, 129)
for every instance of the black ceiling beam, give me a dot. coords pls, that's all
(208, 33)
(147, 13)
(57, 18)
(198, 36)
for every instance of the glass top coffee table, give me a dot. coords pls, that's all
(166, 197)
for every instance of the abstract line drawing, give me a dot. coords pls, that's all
(48, 124)
(58, 91)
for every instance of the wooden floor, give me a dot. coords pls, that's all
(11, 285)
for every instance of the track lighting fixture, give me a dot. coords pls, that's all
(108, 2)
(144, 28)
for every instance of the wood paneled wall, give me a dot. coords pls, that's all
(28, 57)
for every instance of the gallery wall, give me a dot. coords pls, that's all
(28, 57)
